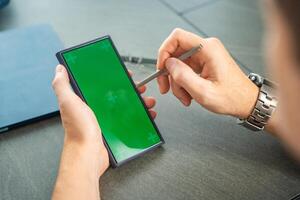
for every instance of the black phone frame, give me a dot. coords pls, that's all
(61, 60)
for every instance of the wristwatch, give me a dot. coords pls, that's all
(265, 104)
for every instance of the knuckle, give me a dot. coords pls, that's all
(214, 40)
(202, 101)
(55, 82)
(177, 31)
(62, 103)
(180, 76)
(160, 50)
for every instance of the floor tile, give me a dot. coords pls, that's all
(238, 24)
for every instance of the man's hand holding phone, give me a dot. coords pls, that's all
(84, 154)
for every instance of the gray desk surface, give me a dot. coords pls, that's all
(205, 156)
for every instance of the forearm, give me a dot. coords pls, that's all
(77, 176)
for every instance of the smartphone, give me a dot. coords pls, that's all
(100, 78)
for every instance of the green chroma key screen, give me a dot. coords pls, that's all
(107, 89)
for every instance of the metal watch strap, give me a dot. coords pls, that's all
(264, 107)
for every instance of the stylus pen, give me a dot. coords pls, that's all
(164, 71)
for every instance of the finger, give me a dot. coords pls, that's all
(178, 39)
(163, 84)
(68, 101)
(142, 89)
(153, 114)
(180, 93)
(163, 81)
(61, 83)
(178, 42)
(186, 78)
(149, 101)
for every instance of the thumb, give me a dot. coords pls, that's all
(186, 78)
(61, 83)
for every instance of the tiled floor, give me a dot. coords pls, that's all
(139, 27)
(205, 156)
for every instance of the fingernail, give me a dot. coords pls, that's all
(161, 91)
(59, 68)
(182, 101)
(185, 102)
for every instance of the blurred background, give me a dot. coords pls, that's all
(139, 27)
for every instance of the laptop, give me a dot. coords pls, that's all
(27, 66)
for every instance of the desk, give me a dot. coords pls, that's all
(206, 156)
